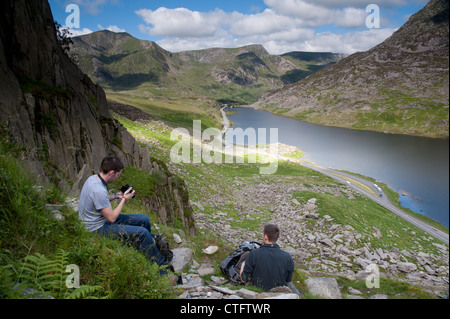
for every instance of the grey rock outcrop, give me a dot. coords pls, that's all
(61, 117)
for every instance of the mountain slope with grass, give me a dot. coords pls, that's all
(119, 61)
(400, 86)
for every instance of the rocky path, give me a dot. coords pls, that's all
(318, 244)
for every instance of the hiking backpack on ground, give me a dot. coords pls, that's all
(163, 247)
(231, 265)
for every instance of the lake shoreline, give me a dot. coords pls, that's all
(432, 136)
(398, 201)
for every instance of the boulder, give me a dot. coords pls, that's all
(406, 267)
(326, 288)
(354, 291)
(327, 241)
(210, 250)
(181, 258)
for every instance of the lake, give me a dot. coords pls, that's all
(416, 166)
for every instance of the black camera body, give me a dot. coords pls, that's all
(125, 188)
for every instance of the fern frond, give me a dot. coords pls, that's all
(43, 273)
(49, 275)
(83, 292)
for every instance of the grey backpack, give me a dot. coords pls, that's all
(231, 265)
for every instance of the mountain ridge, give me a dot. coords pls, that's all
(240, 75)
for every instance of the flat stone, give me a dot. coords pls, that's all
(191, 282)
(247, 294)
(205, 269)
(224, 290)
(284, 296)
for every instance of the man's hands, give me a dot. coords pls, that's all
(111, 214)
(129, 194)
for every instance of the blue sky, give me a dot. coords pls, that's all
(280, 25)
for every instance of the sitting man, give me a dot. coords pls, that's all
(269, 267)
(98, 216)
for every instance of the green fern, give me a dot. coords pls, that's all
(84, 292)
(49, 275)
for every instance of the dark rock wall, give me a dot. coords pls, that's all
(60, 115)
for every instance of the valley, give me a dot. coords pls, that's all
(330, 229)
(399, 86)
(125, 96)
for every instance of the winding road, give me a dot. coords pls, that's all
(363, 186)
(370, 190)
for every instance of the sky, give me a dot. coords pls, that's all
(281, 26)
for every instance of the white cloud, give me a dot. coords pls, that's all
(78, 32)
(346, 43)
(287, 25)
(310, 14)
(262, 23)
(350, 18)
(181, 22)
(112, 28)
(334, 4)
(287, 41)
(314, 15)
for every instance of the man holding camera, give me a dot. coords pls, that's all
(97, 214)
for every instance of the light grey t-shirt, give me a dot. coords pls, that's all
(94, 197)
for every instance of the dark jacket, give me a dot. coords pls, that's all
(268, 267)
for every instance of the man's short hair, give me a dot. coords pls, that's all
(272, 232)
(111, 163)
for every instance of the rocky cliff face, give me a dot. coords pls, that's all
(400, 86)
(61, 116)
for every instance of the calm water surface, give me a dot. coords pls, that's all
(415, 165)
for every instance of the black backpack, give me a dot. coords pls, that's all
(231, 265)
(163, 247)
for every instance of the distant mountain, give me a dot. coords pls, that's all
(400, 86)
(120, 60)
(242, 75)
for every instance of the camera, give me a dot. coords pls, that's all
(125, 188)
